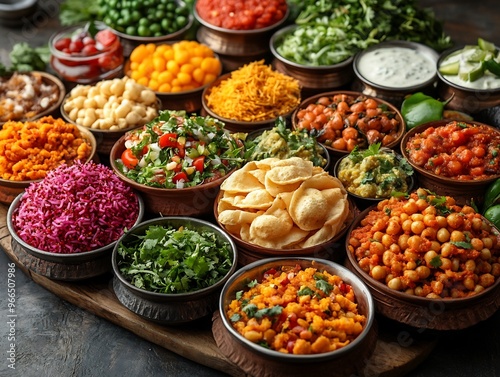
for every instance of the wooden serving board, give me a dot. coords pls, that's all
(195, 341)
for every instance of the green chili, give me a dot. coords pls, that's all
(420, 108)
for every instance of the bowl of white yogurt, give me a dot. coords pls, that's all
(393, 69)
(465, 79)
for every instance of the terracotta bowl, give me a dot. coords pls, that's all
(331, 249)
(189, 201)
(463, 191)
(260, 361)
(170, 308)
(395, 94)
(338, 153)
(234, 125)
(467, 100)
(421, 312)
(64, 267)
(313, 79)
(9, 190)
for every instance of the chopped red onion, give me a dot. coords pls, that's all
(75, 208)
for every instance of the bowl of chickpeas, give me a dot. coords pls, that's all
(110, 108)
(344, 120)
(428, 261)
(265, 334)
(456, 158)
(178, 71)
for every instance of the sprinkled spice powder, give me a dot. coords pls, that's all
(75, 209)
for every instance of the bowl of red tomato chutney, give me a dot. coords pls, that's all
(177, 161)
(236, 29)
(454, 158)
(86, 53)
(295, 316)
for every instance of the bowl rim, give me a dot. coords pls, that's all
(45, 77)
(62, 257)
(248, 32)
(430, 53)
(351, 278)
(402, 296)
(420, 170)
(280, 33)
(444, 80)
(308, 100)
(165, 220)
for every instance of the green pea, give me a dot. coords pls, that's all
(143, 31)
(131, 30)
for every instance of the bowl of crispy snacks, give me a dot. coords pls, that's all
(33, 148)
(316, 316)
(185, 289)
(251, 97)
(286, 207)
(428, 261)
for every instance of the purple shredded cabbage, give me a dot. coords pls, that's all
(75, 208)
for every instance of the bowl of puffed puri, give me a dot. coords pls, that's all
(284, 207)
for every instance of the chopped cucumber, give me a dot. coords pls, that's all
(450, 68)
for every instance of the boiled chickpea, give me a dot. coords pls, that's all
(417, 226)
(455, 264)
(423, 272)
(393, 227)
(477, 223)
(395, 284)
(403, 241)
(477, 244)
(447, 249)
(412, 275)
(415, 242)
(446, 264)
(377, 236)
(417, 217)
(487, 242)
(470, 265)
(469, 283)
(443, 235)
(435, 245)
(457, 236)
(387, 240)
(421, 204)
(410, 207)
(429, 233)
(495, 269)
(379, 273)
(441, 221)
(429, 256)
(455, 220)
(406, 226)
(418, 291)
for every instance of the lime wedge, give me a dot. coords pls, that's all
(450, 68)
(485, 45)
(471, 72)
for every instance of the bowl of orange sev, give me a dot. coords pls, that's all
(251, 97)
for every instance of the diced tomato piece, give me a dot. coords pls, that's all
(168, 140)
(199, 162)
(76, 46)
(181, 176)
(62, 43)
(128, 159)
(105, 37)
(89, 50)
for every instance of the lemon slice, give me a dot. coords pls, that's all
(471, 72)
(450, 68)
(485, 45)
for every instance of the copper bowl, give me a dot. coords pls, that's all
(9, 190)
(338, 153)
(260, 361)
(395, 95)
(313, 79)
(188, 201)
(170, 308)
(236, 47)
(462, 191)
(467, 100)
(64, 267)
(422, 312)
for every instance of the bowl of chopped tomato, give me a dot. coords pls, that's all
(295, 315)
(344, 120)
(428, 261)
(455, 158)
(177, 161)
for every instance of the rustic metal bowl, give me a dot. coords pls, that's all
(260, 361)
(313, 79)
(467, 100)
(236, 47)
(338, 153)
(395, 94)
(47, 79)
(10, 189)
(421, 312)
(170, 308)
(189, 201)
(64, 267)
(462, 191)
(234, 125)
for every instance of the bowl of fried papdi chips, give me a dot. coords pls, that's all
(283, 207)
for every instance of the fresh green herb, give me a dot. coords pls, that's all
(462, 244)
(239, 295)
(305, 291)
(252, 284)
(250, 310)
(322, 284)
(268, 312)
(25, 58)
(72, 12)
(436, 262)
(235, 317)
(170, 260)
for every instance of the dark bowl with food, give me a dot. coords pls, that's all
(260, 355)
(419, 275)
(188, 290)
(455, 158)
(72, 245)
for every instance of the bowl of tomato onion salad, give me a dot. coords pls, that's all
(343, 120)
(295, 315)
(64, 227)
(429, 262)
(454, 158)
(170, 270)
(177, 161)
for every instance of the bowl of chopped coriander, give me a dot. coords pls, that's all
(170, 270)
